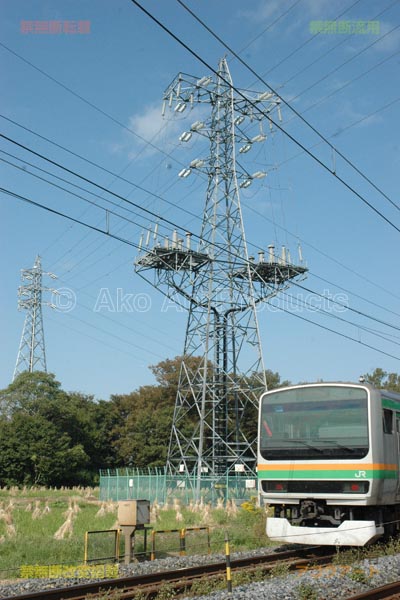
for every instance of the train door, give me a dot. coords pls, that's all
(398, 453)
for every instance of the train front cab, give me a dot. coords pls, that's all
(328, 461)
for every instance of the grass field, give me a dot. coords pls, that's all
(39, 526)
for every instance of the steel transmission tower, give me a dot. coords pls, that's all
(222, 372)
(32, 353)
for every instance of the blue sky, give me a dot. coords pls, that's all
(122, 66)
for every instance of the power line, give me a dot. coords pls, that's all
(350, 82)
(296, 112)
(91, 202)
(344, 40)
(88, 102)
(309, 87)
(291, 7)
(335, 261)
(85, 159)
(91, 182)
(69, 217)
(347, 337)
(361, 313)
(117, 214)
(94, 164)
(177, 206)
(44, 207)
(307, 41)
(254, 105)
(109, 185)
(343, 129)
(91, 104)
(358, 312)
(95, 107)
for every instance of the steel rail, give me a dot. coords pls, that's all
(181, 578)
(385, 592)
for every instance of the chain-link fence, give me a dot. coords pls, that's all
(156, 484)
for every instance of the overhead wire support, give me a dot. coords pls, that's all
(32, 353)
(222, 372)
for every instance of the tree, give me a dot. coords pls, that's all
(35, 451)
(141, 437)
(383, 380)
(29, 391)
(49, 436)
(167, 372)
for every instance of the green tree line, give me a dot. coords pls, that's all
(52, 437)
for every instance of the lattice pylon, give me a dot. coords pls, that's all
(32, 353)
(222, 372)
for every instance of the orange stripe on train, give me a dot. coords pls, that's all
(327, 466)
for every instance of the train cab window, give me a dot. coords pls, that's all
(387, 421)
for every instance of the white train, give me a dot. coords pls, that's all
(328, 463)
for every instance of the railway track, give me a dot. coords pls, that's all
(390, 591)
(182, 579)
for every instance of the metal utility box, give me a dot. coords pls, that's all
(134, 512)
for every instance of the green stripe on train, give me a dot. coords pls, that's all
(358, 475)
(389, 403)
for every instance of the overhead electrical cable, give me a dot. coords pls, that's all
(324, 312)
(291, 7)
(44, 207)
(89, 103)
(52, 183)
(340, 43)
(346, 62)
(98, 340)
(72, 172)
(102, 168)
(172, 224)
(296, 112)
(125, 326)
(85, 159)
(345, 85)
(347, 337)
(125, 168)
(342, 305)
(358, 312)
(249, 207)
(343, 129)
(307, 41)
(332, 171)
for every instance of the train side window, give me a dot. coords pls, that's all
(387, 421)
(398, 422)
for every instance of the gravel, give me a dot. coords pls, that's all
(331, 583)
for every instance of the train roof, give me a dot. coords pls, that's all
(365, 384)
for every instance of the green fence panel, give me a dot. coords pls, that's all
(157, 485)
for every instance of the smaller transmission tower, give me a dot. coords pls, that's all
(32, 353)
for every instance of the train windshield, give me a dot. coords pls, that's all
(314, 422)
